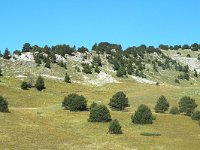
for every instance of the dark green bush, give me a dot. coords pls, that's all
(99, 113)
(174, 110)
(115, 127)
(67, 78)
(119, 101)
(162, 105)
(3, 105)
(40, 84)
(196, 115)
(74, 102)
(24, 85)
(143, 115)
(187, 105)
(1, 72)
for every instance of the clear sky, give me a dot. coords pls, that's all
(84, 22)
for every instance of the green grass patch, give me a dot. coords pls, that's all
(150, 134)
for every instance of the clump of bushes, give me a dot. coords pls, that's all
(162, 105)
(3, 105)
(143, 115)
(99, 113)
(74, 102)
(119, 101)
(115, 127)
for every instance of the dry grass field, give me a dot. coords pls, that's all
(37, 120)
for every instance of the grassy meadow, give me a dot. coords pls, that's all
(37, 120)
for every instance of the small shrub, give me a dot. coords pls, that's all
(74, 102)
(115, 127)
(196, 115)
(1, 72)
(187, 105)
(143, 115)
(40, 84)
(119, 101)
(174, 111)
(99, 113)
(24, 85)
(3, 105)
(188, 55)
(67, 78)
(162, 105)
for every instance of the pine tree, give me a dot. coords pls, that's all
(115, 127)
(40, 84)
(24, 85)
(67, 78)
(162, 105)
(119, 101)
(3, 105)
(7, 54)
(143, 115)
(47, 65)
(1, 72)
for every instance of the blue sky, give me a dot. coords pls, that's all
(84, 22)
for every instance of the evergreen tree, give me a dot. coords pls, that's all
(162, 105)
(40, 84)
(187, 105)
(86, 68)
(119, 101)
(97, 70)
(99, 113)
(67, 78)
(121, 71)
(1, 72)
(115, 127)
(24, 85)
(3, 105)
(26, 47)
(6, 54)
(143, 115)
(74, 102)
(196, 115)
(47, 65)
